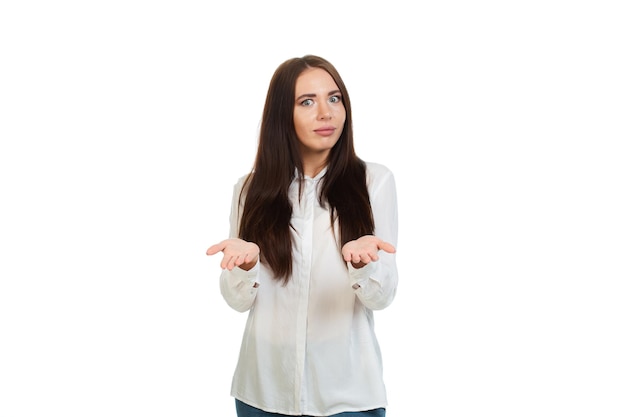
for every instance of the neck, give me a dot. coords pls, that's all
(314, 164)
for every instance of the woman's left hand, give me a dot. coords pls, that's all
(364, 250)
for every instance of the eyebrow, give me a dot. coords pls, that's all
(310, 95)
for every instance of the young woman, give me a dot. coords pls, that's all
(311, 255)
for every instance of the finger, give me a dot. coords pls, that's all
(366, 258)
(229, 262)
(233, 262)
(218, 247)
(387, 247)
(240, 259)
(250, 257)
(224, 263)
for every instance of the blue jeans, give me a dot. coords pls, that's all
(245, 410)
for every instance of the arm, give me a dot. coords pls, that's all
(371, 259)
(240, 270)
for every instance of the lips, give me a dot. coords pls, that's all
(325, 131)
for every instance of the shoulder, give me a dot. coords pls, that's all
(377, 172)
(241, 181)
(379, 177)
(239, 185)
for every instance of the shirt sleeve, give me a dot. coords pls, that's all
(238, 287)
(377, 282)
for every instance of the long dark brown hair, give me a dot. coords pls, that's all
(266, 217)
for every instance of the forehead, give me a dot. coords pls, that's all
(315, 80)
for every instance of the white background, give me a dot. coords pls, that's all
(124, 125)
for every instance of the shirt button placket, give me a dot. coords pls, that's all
(304, 275)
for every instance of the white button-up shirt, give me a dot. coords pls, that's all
(309, 347)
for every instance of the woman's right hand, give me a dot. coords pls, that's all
(237, 252)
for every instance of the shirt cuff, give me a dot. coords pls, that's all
(360, 276)
(247, 277)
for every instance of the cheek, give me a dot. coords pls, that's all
(342, 118)
(299, 119)
(303, 121)
(300, 126)
(297, 123)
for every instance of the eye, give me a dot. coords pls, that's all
(306, 102)
(335, 99)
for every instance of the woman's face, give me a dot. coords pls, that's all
(319, 114)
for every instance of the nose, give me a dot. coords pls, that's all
(324, 111)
